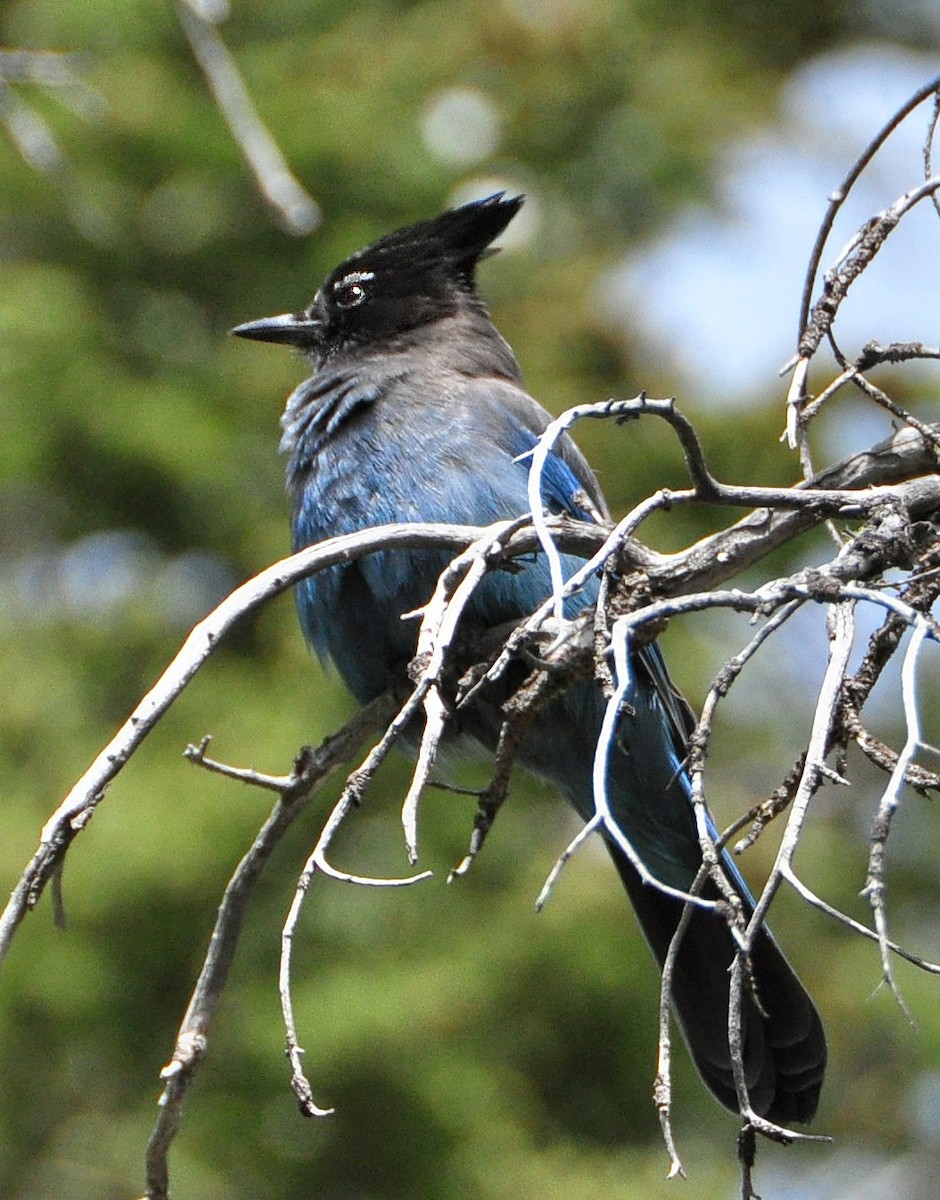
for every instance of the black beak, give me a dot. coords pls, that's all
(288, 329)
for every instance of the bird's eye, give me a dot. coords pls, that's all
(348, 295)
(351, 291)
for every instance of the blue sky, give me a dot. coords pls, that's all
(738, 264)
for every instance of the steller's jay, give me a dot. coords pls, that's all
(415, 411)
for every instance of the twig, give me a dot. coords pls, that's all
(296, 208)
(814, 325)
(583, 835)
(612, 546)
(863, 480)
(192, 1040)
(767, 810)
(826, 707)
(856, 926)
(881, 823)
(621, 643)
(928, 143)
(721, 685)
(520, 711)
(838, 197)
(317, 862)
(31, 135)
(282, 784)
(454, 590)
(662, 1087)
(78, 807)
(710, 559)
(831, 584)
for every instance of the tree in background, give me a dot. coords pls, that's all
(465, 1052)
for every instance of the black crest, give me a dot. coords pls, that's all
(451, 243)
(405, 280)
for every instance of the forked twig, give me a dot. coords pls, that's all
(311, 771)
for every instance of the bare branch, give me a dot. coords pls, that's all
(876, 487)
(856, 926)
(928, 144)
(30, 132)
(621, 647)
(816, 324)
(435, 639)
(595, 825)
(881, 824)
(78, 807)
(709, 561)
(282, 784)
(311, 770)
(31, 135)
(721, 685)
(317, 862)
(842, 636)
(297, 210)
(662, 1087)
(838, 197)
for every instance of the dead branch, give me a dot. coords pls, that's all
(296, 209)
(880, 506)
(311, 770)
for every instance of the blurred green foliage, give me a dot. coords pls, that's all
(471, 1049)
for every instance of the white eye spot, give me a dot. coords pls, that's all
(350, 291)
(348, 295)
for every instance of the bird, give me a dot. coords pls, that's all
(415, 411)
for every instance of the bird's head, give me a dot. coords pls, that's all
(410, 278)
